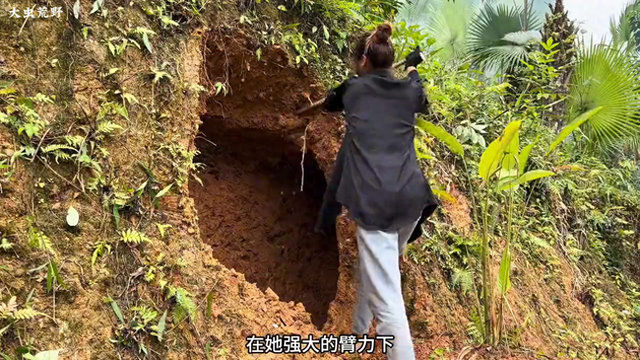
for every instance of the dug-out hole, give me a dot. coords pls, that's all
(257, 221)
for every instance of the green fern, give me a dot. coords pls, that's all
(56, 147)
(59, 155)
(74, 140)
(475, 329)
(107, 127)
(57, 150)
(40, 241)
(26, 314)
(185, 305)
(144, 316)
(463, 278)
(130, 236)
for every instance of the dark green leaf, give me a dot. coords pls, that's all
(209, 303)
(25, 102)
(116, 216)
(56, 274)
(116, 309)
(504, 279)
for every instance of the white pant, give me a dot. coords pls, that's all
(380, 291)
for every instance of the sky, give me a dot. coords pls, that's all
(594, 16)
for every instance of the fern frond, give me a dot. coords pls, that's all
(107, 127)
(146, 314)
(61, 156)
(462, 278)
(56, 147)
(475, 328)
(7, 308)
(130, 236)
(40, 241)
(74, 140)
(25, 314)
(185, 305)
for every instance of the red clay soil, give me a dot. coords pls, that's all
(250, 209)
(257, 221)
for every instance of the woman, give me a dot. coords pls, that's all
(378, 180)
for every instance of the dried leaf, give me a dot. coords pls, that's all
(76, 9)
(73, 217)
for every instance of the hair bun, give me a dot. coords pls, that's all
(383, 33)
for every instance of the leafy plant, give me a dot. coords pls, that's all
(181, 162)
(11, 313)
(463, 278)
(39, 240)
(185, 307)
(500, 37)
(144, 34)
(562, 31)
(606, 78)
(624, 32)
(5, 245)
(142, 322)
(500, 168)
(100, 249)
(134, 237)
(470, 132)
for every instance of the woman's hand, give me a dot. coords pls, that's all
(413, 59)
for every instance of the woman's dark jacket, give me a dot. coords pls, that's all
(376, 175)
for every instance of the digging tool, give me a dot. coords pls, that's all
(317, 104)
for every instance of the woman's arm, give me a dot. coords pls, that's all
(422, 103)
(334, 99)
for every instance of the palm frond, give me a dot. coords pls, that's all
(450, 27)
(498, 38)
(625, 31)
(607, 77)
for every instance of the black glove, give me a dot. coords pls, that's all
(333, 101)
(414, 58)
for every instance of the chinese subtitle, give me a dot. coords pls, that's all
(296, 344)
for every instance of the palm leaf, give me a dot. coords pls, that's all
(625, 32)
(572, 127)
(498, 39)
(449, 27)
(607, 78)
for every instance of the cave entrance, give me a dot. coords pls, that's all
(257, 221)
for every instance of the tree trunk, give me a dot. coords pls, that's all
(526, 15)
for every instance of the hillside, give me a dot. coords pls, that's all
(170, 127)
